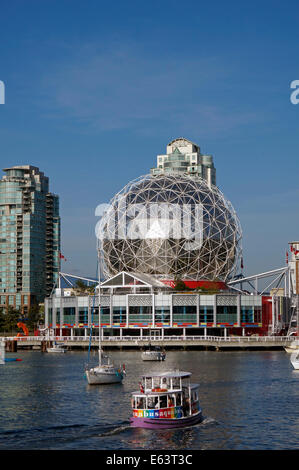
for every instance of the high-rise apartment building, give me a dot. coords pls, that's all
(184, 157)
(29, 237)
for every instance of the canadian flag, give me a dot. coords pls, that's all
(62, 257)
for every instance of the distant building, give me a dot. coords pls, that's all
(278, 292)
(184, 157)
(29, 237)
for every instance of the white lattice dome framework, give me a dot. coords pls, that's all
(173, 227)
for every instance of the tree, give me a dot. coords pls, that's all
(2, 319)
(82, 288)
(11, 316)
(180, 285)
(34, 316)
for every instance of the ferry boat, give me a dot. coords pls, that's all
(166, 400)
(153, 353)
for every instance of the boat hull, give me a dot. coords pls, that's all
(102, 378)
(165, 423)
(50, 350)
(291, 350)
(153, 357)
(295, 360)
(292, 347)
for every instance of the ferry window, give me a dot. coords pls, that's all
(164, 383)
(159, 383)
(151, 402)
(176, 382)
(179, 399)
(163, 401)
(148, 383)
(170, 401)
(140, 403)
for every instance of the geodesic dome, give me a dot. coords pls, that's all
(172, 227)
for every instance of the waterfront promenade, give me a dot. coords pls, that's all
(137, 342)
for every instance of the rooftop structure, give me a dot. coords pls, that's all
(184, 157)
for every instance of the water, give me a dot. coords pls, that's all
(249, 401)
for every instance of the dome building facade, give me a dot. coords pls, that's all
(171, 225)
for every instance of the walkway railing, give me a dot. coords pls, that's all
(208, 339)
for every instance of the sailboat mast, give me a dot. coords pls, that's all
(99, 291)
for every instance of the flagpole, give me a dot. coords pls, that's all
(59, 277)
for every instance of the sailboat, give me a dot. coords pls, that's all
(105, 372)
(295, 360)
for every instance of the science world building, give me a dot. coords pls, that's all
(169, 243)
(171, 227)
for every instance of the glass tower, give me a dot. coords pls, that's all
(29, 237)
(184, 157)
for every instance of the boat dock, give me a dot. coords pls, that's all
(187, 342)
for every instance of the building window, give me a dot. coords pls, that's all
(186, 313)
(83, 315)
(140, 314)
(227, 314)
(247, 314)
(119, 314)
(105, 315)
(206, 314)
(162, 315)
(69, 314)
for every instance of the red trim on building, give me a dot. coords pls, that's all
(266, 313)
(217, 285)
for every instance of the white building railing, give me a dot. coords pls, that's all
(207, 339)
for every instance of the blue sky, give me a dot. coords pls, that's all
(95, 90)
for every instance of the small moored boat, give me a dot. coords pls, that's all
(57, 348)
(295, 360)
(153, 353)
(292, 347)
(105, 372)
(166, 400)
